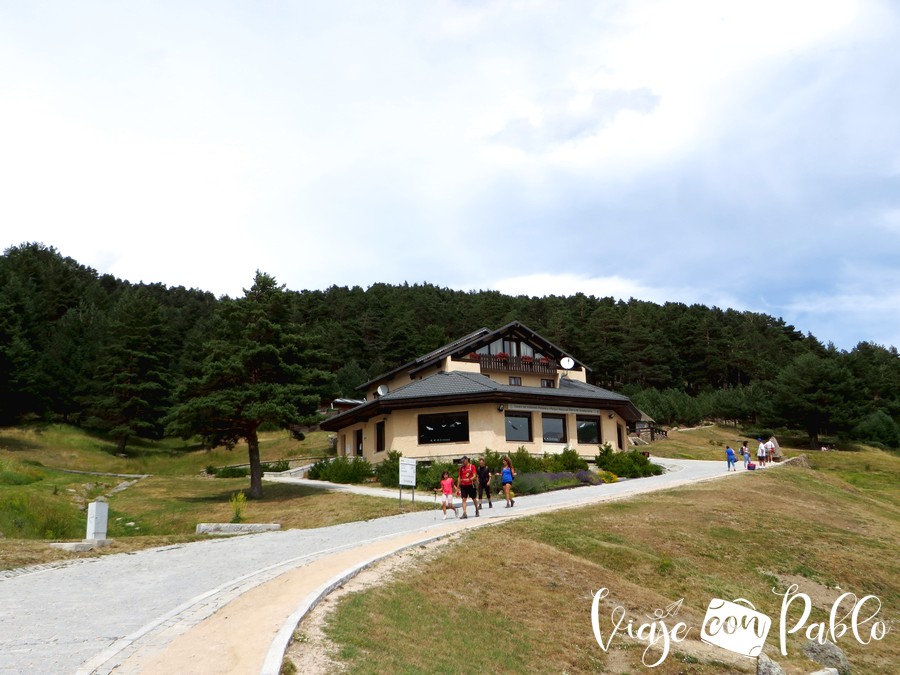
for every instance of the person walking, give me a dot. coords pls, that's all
(484, 483)
(745, 453)
(507, 475)
(467, 475)
(447, 494)
(761, 453)
(729, 455)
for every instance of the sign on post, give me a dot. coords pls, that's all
(407, 471)
(408, 476)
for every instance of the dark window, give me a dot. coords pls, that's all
(379, 437)
(588, 430)
(444, 428)
(358, 439)
(548, 384)
(620, 436)
(515, 381)
(518, 427)
(554, 428)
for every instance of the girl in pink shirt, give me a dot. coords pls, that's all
(447, 494)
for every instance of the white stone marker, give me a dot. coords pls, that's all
(98, 514)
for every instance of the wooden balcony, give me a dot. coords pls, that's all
(516, 364)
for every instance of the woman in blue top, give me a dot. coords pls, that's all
(729, 455)
(507, 474)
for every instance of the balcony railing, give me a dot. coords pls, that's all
(516, 364)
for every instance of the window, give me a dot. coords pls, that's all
(620, 435)
(547, 384)
(554, 428)
(379, 437)
(444, 428)
(518, 427)
(358, 440)
(515, 381)
(588, 430)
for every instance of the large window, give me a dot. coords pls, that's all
(518, 426)
(444, 428)
(554, 428)
(588, 430)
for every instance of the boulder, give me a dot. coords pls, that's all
(766, 666)
(828, 654)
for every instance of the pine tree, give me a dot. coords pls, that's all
(258, 370)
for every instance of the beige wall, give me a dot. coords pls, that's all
(486, 430)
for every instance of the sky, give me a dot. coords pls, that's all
(741, 155)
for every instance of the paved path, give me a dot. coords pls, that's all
(125, 613)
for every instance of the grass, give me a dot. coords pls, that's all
(40, 500)
(66, 447)
(523, 589)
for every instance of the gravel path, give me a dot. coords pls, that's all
(90, 617)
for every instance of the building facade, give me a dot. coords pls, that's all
(500, 389)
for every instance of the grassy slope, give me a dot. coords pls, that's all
(522, 590)
(158, 510)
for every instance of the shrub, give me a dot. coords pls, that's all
(232, 472)
(341, 470)
(567, 460)
(388, 472)
(630, 464)
(523, 462)
(237, 501)
(428, 477)
(276, 467)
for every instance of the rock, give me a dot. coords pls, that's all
(826, 671)
(766, 666)
(828, 654)
(799, 460)
(235, 528)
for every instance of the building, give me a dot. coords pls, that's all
(500, 389)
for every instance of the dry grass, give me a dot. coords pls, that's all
(522, 590)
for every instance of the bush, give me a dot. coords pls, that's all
(428, 477)
(341, 470)
(545, 481)
(630, 464)
(388, 472)
(276, 467)
(523, 462)
(231, 472)
(567, 460)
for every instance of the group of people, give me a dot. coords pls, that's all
(475, 483)
(768, 451)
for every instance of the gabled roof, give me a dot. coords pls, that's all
(449, 388)
(473, 342)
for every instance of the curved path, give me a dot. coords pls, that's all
(229, 605)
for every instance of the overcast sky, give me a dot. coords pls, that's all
(737, 154)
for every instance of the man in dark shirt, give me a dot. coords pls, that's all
(484, 483)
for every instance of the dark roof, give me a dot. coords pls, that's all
(472, 342)
(448, 388)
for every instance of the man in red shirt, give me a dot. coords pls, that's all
(466, 484)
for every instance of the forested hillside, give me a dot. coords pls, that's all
(118, 357)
